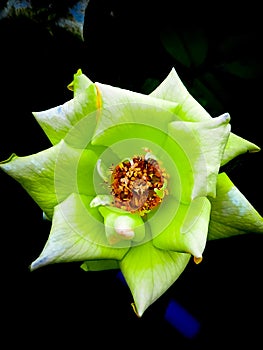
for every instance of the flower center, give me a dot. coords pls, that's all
(138, 184)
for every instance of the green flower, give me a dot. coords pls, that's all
(133, 182)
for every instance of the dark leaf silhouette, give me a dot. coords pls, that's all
(51, 14)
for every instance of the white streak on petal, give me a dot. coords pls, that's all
(234, 197)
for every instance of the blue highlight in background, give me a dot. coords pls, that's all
(181, 319)
(178, 317)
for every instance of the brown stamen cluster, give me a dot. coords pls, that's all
(134, 182)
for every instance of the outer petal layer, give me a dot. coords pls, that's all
(172, 89)
(77, 234)
(52, 175)
(231, 212)
(203, 144)
(80, 83)
(149, 272)
(58, 121)
(36, 174)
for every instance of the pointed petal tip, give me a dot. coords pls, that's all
(39, 262)
(136, 311)
(225, 117)
(198, 259)
(222, 118)
(79, 71)
(33, 266)
(255, 149)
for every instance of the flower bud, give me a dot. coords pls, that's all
(122, 226)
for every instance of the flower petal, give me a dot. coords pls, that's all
(77, 234)
(58, 121)
(187, 228)
(231, 212)
(149, 277)
(235, 146)
(172, 89)
(52, 175)
(80, 83)
(36, 174)
(124, 113)
(76, 171)
(203, 144)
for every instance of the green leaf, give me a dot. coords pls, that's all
(231, 212)
(245, 70)
(206, 95)
(196, 45)
(173, 43)
(99, 265)
(149, 85)
(187, 47)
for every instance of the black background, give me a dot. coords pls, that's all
(122, 47)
